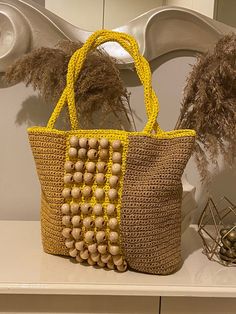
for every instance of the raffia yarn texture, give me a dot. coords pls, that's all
(112, 198)
(151, 202)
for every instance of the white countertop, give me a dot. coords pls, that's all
(26, 269)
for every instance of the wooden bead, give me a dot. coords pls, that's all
(68, 178)
(101, 166)
(223, 250)
(95, 256)
(80, 245)
(231, 253)
(100, 263)
(79, 259)
(92, 248)
(111, 209)
(104, 143)
(91, 262)
(104, 154)
(66, 232)
(231, 236)
(114, 249)
(91, 166)
(88, 222)
(116, 169)
(112, 194)
(78, 177)
(223, 232)
(100, 222)
(86, 209)
(118, 260)
(76, 233)
(92, 154)
(105, 257)
(225, 258)
(83, 142)
(72, 152)
(99, 194)
(101, 236)
(84, 254)
(75, 208)
(88, 178)
(73, 252)
(66, 220)
(122, 267)
(110, 264)
(76, 193)
(69, 166)
(82, 153)
(65, 209)
(79, 166)
(66, 193)
(112, 223)
(113, 236)
(227, 244)
(93, 142)
(102, 248)
(116, 145)
(116, 157)
(76, 221)
(87, 191)
(100, 178)
(113, 181)
(97, 209)
(69, 243)
(89, 237)
(74, 141)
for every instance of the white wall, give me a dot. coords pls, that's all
(95, 14)
(87, 14)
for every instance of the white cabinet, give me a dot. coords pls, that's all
(32, 281)
(205, 7)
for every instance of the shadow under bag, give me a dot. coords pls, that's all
(112, 198)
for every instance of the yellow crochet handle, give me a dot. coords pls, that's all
(74, 67)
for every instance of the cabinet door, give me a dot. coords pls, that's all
(180, 305)
(54, 304)
(205, 7)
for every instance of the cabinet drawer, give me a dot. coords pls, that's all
(180, 305)
(54, 304)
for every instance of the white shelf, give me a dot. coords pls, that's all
(25, 269)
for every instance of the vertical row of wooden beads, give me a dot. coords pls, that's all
(111, 210)
(90, 237)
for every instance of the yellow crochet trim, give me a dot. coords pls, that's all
(143, 70)
(115, 133)
(76, 63)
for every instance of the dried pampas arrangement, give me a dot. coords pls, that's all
(99, 86)
(209, 105)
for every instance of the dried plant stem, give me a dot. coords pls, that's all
(209, 105)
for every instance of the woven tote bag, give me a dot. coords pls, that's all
(112, 198)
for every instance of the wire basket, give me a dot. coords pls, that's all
(217, 228)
